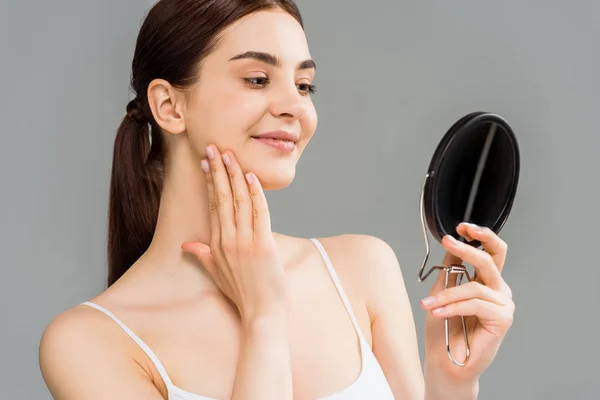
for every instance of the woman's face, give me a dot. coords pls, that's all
(257, 81)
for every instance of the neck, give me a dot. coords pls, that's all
(183, 216)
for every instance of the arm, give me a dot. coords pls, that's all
(392, 324)
(243, 260)
(395, 341)
(264, 368)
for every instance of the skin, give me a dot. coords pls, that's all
(214, 331)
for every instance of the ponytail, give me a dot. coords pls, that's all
(135, 187)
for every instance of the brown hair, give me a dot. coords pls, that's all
(174, 38)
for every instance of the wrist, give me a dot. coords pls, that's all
(274, 310)
(437, 389)
(266, 323)
(438, 385)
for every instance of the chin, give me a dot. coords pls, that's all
(276, 177)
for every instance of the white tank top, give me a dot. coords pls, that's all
(370, 384)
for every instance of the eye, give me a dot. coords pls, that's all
(307, 88)
(262, 81)
(259, 81)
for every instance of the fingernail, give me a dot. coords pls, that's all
(205, 166)
(226, 159)
(210, 152)
(428, 300)
(476, 228)
(437, 310)
(249, 178)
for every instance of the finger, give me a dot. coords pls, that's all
(440, 281)
(202, 253)
(484, 264)
(470, 290)
(463, 231)
(492, 244)
(260, 210)
(215, 228)
(502, 316)
(223, 198)
(242, 205)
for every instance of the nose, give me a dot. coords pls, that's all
(288, 103)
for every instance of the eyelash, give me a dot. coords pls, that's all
(310, 89)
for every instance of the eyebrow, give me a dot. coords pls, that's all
(271, 59)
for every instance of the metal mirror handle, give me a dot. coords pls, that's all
(450, 269)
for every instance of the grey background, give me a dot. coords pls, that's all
(392, 77)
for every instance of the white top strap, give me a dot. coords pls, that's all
(161, 370)
(338, 285)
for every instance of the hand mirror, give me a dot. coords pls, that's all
(472, 177)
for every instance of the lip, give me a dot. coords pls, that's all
(284, 146)
(278, 135)
(281, 140)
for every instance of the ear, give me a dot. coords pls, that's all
(166, 104)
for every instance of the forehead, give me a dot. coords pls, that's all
(271, 31)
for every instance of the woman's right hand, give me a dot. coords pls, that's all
(242, 255)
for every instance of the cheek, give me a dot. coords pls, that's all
(226, 117)
(236, 112)
(244, 108)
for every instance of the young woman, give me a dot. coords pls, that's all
(204, 300)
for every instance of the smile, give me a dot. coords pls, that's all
(285, 146)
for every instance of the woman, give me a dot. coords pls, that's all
(204, 300)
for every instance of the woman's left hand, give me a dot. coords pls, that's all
(486, 303)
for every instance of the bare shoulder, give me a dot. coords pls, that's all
(363, 246)
(367, 265)
(70, 334)
(82, 356)
(368, 259)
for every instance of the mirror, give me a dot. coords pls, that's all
(472, 177)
